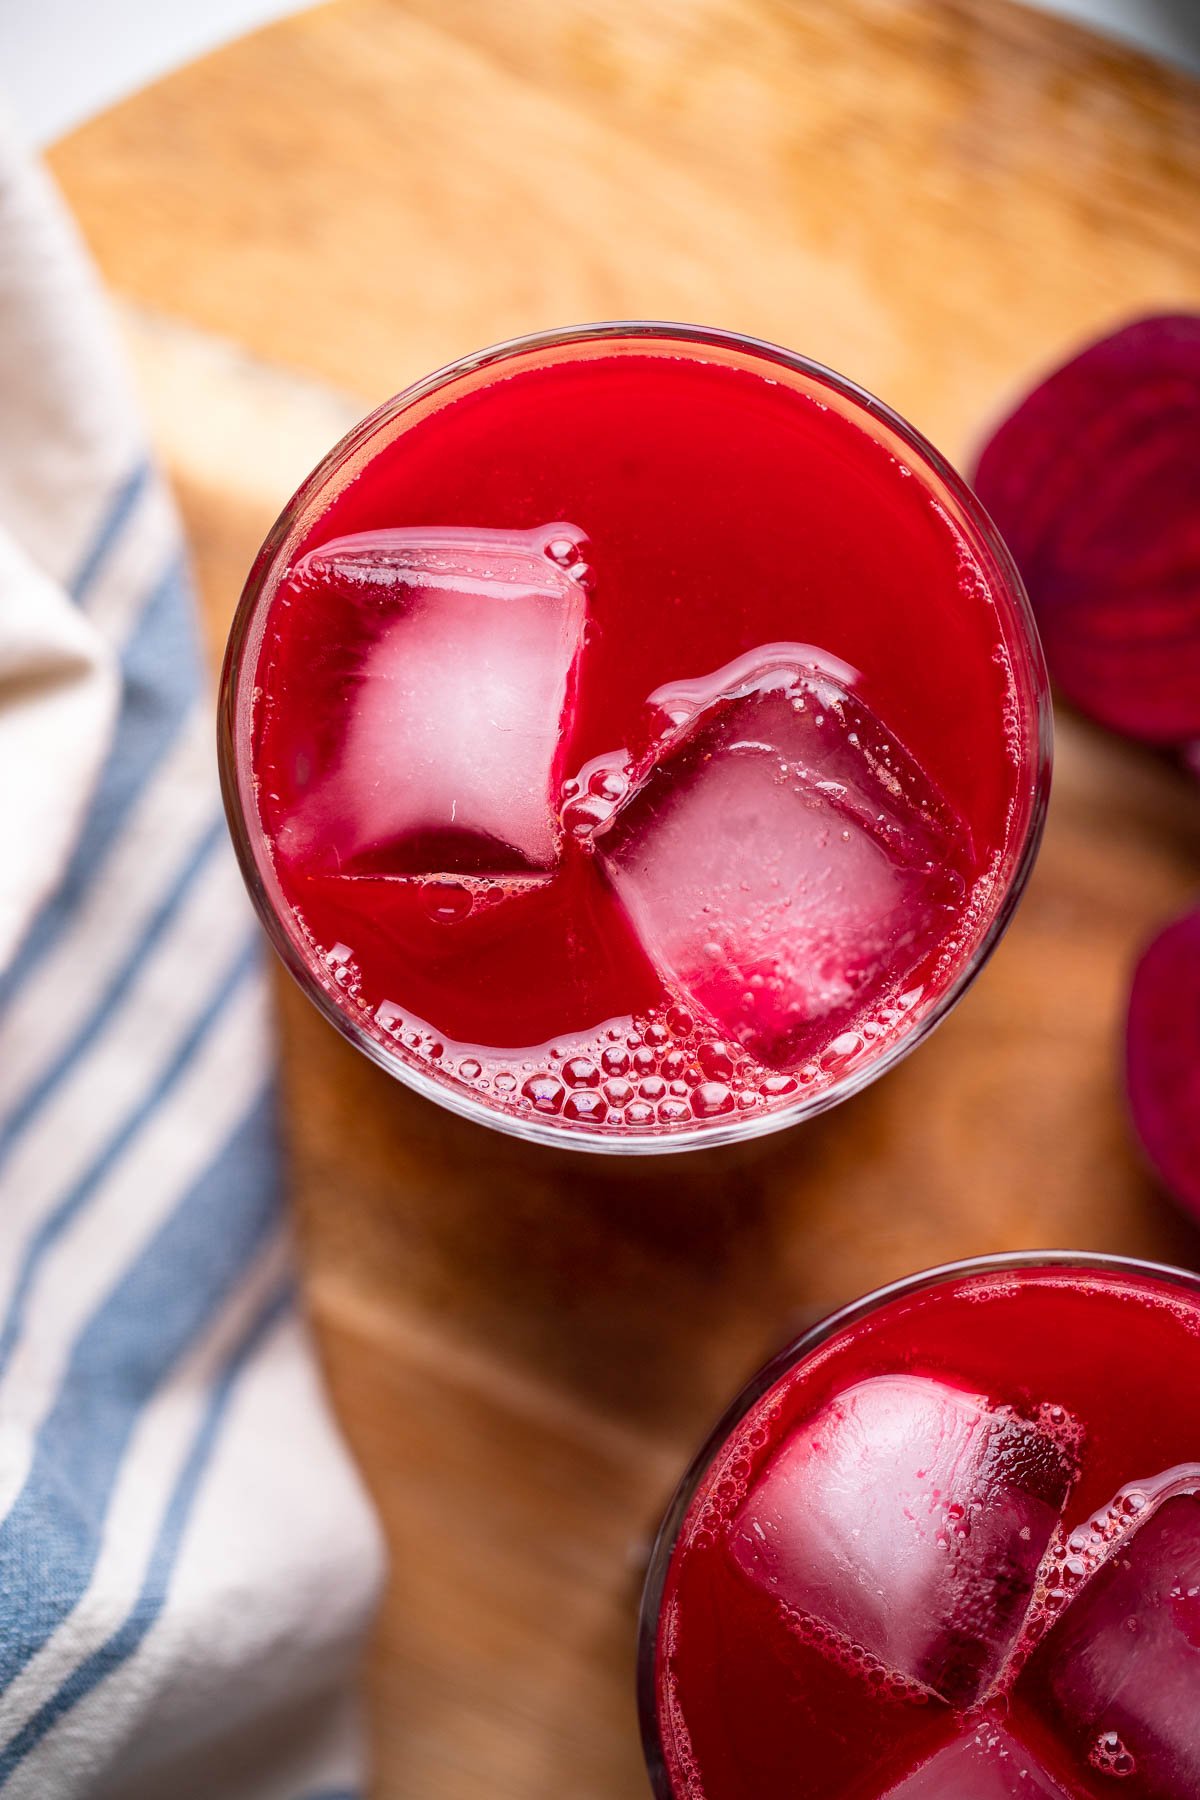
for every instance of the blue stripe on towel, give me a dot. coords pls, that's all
(152, 1598)
(160, 681)
(52, 1227)
(160, 673)
(51, 1538)
(35, 1096)
(110, 529)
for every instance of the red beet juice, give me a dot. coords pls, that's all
(946, 1548)
(635, 736)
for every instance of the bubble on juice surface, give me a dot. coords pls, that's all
(784, 861)
(1109, 1755)
(589, 797)
(987, 1763)
(343, 968)
(450, 674)
(1116, 1675)
(912, 1518)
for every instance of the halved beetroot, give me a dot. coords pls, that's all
(1162, 1056)
(1094, 482)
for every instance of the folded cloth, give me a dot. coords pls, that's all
(187, 1559)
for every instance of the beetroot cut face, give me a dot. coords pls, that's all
(1095, 483)
(1162, 1057)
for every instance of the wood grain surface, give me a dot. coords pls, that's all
(940, 200)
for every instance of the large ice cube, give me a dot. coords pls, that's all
(987, 1765)
(1118, 1678)
(911, 1517)
(457, 654)
(785, 860)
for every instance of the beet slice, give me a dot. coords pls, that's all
(1162, 1056)
(1094, 482)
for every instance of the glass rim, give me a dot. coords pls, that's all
(237, 780)
(765, 1377)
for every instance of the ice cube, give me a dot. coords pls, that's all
(1118, 1677)
(784, 861)
(454, 674)
(911, 1518)
(987, 1765)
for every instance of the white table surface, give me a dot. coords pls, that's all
(63, 60)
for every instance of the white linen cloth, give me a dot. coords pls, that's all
(187, 1558)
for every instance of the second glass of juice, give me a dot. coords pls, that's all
(946, 1547)
(634, 737)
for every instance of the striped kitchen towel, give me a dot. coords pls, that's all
(187, 1559)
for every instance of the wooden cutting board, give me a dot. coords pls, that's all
(938, 199)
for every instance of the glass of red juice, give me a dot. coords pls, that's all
(944, 1547)
(634, 737)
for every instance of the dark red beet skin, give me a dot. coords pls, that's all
(1162, 1051)
(1095, 483)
